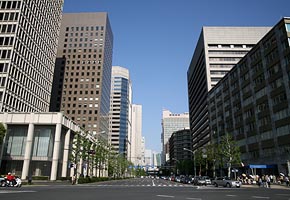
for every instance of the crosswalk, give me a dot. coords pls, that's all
(142, 185)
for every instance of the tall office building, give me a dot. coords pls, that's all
(83, 83)
(171, 122)
(29, 32)
(217, 51)
(136, 137)
(120, 112)
(252, 103)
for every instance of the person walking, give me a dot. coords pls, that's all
(268, 181)
(287, 181)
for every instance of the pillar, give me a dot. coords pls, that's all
(28, 151)
(55, 155)
(65, 154)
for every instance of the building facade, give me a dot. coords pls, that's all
(29, 32)
(84, 62)
(37, 144)
(120, 113)
(171, 122)
(136, 137)
(217, 51)
(177, 142)
(252, 102)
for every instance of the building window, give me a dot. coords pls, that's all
(287, 27)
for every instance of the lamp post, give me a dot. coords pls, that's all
(193, 152)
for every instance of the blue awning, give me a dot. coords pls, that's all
(262, 166)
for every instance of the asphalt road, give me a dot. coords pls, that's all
(139, 189)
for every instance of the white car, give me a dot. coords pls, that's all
(226, 182)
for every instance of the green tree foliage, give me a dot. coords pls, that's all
(2, 132)
(229, 151)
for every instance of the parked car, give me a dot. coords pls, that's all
(206, 179)
(226, 182)
(186, 180)
(198, 180)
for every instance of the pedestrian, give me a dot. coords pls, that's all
(268, 181)
(287, 181)
(259, 181)
(73, 179)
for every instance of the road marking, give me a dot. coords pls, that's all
(166, 196)
(258, 197)
(231, 195)
(153, 183)
(194, 198)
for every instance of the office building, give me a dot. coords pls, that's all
(29, 32)
(84, 61)
(252, 103)
(137, 141)
(120, 113)
(177, 154)
(171, 122)
(37, 144)
(217, 51)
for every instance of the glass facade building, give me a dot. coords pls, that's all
(120, 122)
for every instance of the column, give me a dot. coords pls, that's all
(55, 155)
(28, 151)
(65, 154)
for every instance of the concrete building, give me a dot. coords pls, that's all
(171, 122)
(252, 103)
(82, 84)
(136, 138)
(120, 113)
(29, 32)
(37, 144)
(217, 51)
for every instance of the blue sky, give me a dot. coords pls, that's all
(155, 40)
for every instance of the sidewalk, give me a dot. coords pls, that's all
(273, 186)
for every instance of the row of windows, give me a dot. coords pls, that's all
(5, 54)
(9, 16)
(81, 50)
(84, 35)
(7, 28)
(230, 46)
(10, 4)
(87, 28)
(100, 45)
(6, 41)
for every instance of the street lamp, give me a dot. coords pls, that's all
(193, 152)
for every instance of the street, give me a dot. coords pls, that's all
(141, 189)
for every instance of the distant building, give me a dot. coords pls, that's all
(136, 138)
(82, 84)
(178, 141)
(217, 51)
(252, 102)
(28, 43)
(171, 122)
(120, 112)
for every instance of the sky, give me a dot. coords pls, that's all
(155, 40)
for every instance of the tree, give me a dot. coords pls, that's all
(230, 151)
(2, 132)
